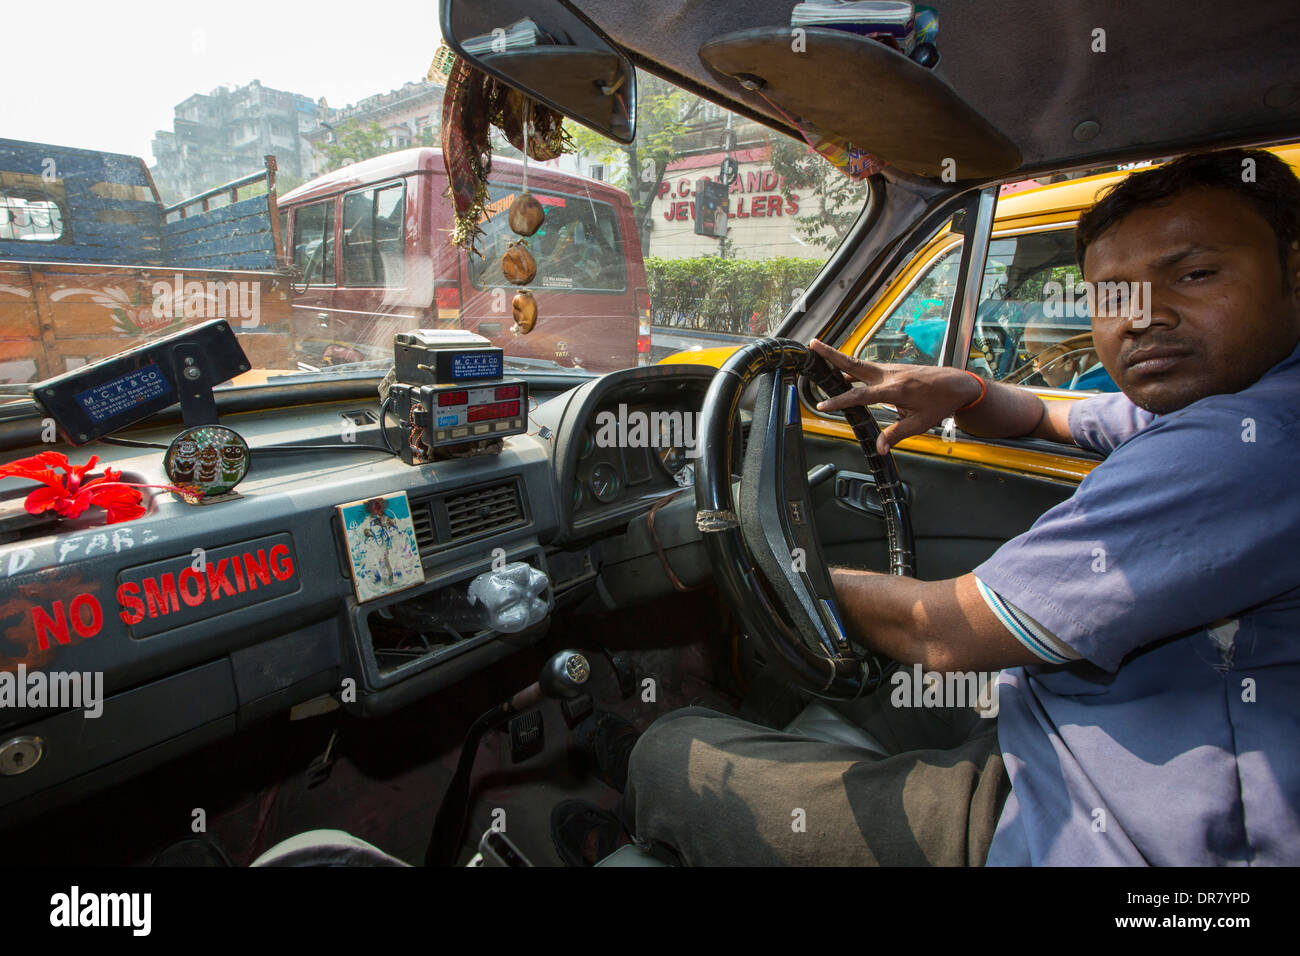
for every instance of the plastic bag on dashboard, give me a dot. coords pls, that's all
(512, 596)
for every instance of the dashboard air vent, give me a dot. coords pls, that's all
(481, 510)
(422, 518)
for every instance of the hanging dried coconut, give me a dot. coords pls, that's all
(518, 265)
(524, 307)
(526, 213)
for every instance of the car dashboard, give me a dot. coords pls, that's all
(204, 619)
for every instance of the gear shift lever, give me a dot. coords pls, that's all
(564, 676)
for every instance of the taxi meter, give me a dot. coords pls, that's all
(450, 390)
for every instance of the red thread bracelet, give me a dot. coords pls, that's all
(984, 390)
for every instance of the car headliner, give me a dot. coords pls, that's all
(1174, 76)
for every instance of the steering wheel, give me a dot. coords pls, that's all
(766, 555)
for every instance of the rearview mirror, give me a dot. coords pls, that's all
(544, 50)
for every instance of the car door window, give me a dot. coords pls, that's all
(313, 242)
(1032, 325)
(373, 250)
(912, 332)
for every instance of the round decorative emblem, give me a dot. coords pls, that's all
(210, 458)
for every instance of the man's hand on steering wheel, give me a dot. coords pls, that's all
(923, 394)
(792, 608)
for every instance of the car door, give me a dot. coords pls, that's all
(1026, 325)
(374, 300)
(313, 227)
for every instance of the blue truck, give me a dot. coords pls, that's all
(92, 261)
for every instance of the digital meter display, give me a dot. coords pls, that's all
(450, 390)
(488, 411)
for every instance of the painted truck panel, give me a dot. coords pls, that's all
(92, 262)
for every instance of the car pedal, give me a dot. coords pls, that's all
(527, 736)
(496, 849)
(576, 708)
(318, 771)
(624, 672)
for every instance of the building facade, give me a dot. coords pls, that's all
(760, 220)
(223, 135)
(409, 116)
(220, 136)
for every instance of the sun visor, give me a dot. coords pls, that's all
(868, 94)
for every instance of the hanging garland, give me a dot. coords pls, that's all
(473, 103)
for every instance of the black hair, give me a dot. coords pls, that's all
(1273, 191)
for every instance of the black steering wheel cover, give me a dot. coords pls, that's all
(775, 474)
(889, 487)
(843, 676)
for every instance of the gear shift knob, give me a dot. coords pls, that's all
(565, 675)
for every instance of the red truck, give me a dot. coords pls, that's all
(372, 241)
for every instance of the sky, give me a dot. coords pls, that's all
(106, 74)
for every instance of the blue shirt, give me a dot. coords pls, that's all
(1172, 576)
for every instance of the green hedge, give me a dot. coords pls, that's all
(721, 295)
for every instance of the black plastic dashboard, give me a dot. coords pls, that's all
(581, 422)
(204, 619)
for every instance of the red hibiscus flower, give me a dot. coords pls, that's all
(71, 493)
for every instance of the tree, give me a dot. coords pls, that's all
(284, 182)
(664, 113)
(353, 143)
(841, 198)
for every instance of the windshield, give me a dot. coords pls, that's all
(276, 178)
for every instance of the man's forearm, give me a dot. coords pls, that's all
(1010, 411)
(885, 612)
(926, 395)
(941, 625)
(1005, 412)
